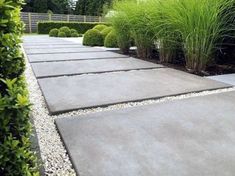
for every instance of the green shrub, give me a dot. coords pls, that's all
(80, 35)
(74, 34)
(16, 159)
(65, 30)
(61, 34)
(106, 31)
(44, 27)
(93, 37)
(73, 31)
(15, 128)
(111, 40)
(54, 32)
(100, 27)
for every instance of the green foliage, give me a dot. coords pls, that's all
(120, 23)
(65, 30)
(74, 34)
(93, 37)
(111, 40)
(73, 30)
(137, 17)
(54, 32)
(61, 34)
(106, 31)
(91, 7)
(45, 26)
(16, 159)
(100, 27)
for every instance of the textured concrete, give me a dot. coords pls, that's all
(52, 46)
(62, 50)
(190, 137)
(73, 56)
(85, 91)
(50, 69)
(229, 78)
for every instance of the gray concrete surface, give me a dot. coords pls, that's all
(52, 46)
(189, 137)
(85, 91)
(62, 50)
(51, 69)
(73, 56)
(228, 78)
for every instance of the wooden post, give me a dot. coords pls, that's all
(100, 19)
(68, 18)
(30, 23)
(84, 18)
(49, 16)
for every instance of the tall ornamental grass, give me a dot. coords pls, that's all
(196, 27)
(201, 26)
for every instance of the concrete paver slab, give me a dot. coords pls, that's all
(51, 69)
(85, 91)
(52, 46)
(188, 137)
(62, 50)
(228, 78)
(73, 56)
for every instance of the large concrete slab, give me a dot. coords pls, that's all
(73, 56)
(63, 50)
(52, 69)
(52, 46)
(85, 91)
(228, 78)
(189, 137)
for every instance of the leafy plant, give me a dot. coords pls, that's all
(100, 27)
(111, 40)
(93, 37)
(106, 31)
(54, 32)
(61, 34)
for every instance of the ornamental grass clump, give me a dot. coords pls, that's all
(201, 27)
(138, 21)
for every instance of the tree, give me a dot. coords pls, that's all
(91, 7)
(40, 6)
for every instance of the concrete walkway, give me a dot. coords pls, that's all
(186, 137)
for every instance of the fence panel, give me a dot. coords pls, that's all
(31, 19)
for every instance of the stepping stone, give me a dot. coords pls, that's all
(73, 56)
(64, 94)
(228, 78)
(51, 69)
(62, 50)
(189, 137)
(53, 46)
(43, 44)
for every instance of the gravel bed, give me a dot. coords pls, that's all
(54, 156)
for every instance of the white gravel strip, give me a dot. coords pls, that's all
(55, 159)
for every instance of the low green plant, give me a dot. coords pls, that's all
(73, 31)
(15, 130)
(54, 32)
(100, 27)
(111, 40)
(62, 34)
(65, 30)
(44, 27)
(74, 34)
(93, 37)
(106, 31)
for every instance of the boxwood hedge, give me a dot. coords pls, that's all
(16, 158)
(45, 26)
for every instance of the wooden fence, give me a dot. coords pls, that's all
(31, 19)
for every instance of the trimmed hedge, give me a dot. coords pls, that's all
(111, 40)
(45, 26)
(106, 31)
(100, 27)
(54, 32)
(65, 30)
(93, 37)
(16, 158)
